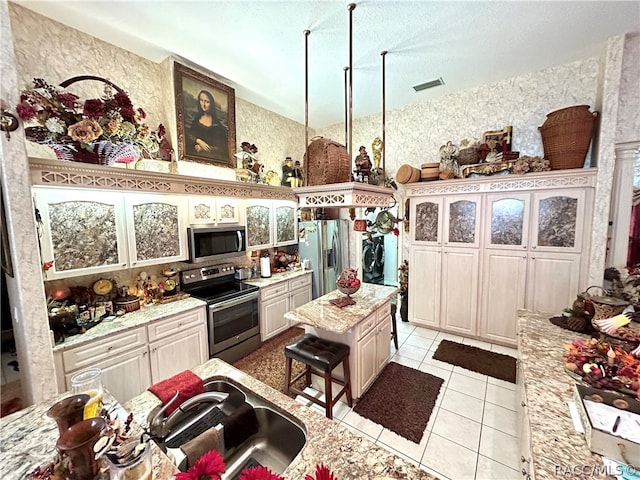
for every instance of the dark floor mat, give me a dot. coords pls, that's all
(496, 365)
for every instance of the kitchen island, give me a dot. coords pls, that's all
(365, 327)
(29, 437)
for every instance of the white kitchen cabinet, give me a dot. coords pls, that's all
(525, 237)
(278, 299)
(123, 358)
(177, 343)
(132, 360)
(271, 223)
(213, 210)
(367, 360)
(157, 229)
(459, 297)
(373, 349)
(93, 231)
(81, 231)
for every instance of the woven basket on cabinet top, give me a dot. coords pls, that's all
(328, 162)
(566, 135)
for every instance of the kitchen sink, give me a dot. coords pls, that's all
(279, 438)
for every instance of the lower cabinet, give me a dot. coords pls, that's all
(133, 360)
(373, 351)
(280, 298)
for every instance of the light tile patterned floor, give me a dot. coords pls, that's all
(472, 433)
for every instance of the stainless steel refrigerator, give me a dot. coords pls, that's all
(325, 244)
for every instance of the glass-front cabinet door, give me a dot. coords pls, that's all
(259, 225)
(426, 220)
(80, 231)
(156, 228)
(558, 218)
(507, 221)
(461, 222)
(285, 225)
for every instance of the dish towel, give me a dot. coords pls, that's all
(239, 426)
(187, 383)
(206, 441)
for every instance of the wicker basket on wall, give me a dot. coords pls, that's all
(566, 135)
(328, 162)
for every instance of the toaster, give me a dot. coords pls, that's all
(243, 273)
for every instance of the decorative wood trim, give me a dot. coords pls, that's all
(583, 177)
(57, 173)
(351, 194)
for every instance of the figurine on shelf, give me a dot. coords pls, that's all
(297, 174)
(363, 165)
(287, 173)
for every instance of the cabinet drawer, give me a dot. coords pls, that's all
(384, 311)
(175, 324)
(273, 290)
(365, 325)
(88, 355)
(301, 281)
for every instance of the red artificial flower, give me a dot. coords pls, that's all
(209, 465)
(26, 111)
(93, 108)
(161, 131)
(128, 114)
(259, 473)
(322, 473)
(141, 113)
(67, 99)
(396, 232)
(47, 266)
(122, 100)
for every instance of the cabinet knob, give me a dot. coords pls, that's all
(524, 256)
(524, 472)
(524, 246)
(533, 247)
(524, 460)
(144, 354)
(110, 348)
(523, 404)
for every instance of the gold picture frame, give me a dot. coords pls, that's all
(206, 117)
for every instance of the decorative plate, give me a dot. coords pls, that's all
(103, 286)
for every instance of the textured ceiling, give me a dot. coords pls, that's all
(258, 46)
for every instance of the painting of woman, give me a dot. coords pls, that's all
(205, 112)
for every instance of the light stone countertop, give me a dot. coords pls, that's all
(29, 436)
(321, 314)
(276, 278)
(554, 442)
(131, 320)
(348, 456)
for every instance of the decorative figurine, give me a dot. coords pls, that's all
(363, 165)
(297, 174)
(287, 173)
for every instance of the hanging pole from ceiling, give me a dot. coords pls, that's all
(346, 103)
(383, 54)
(306, 104)
(351, 7)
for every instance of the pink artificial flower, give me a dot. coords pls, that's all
(26, 111)
(322, 473)
(161, 131)
(209, 465)
(259, 473)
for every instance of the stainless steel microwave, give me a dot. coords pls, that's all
(213, 243)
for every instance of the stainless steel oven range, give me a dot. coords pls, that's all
(232, 310)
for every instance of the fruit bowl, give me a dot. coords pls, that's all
(348, 290)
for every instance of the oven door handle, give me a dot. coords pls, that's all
(232, 303)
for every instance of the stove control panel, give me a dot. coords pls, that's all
(207, 273)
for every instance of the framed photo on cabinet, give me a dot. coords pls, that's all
(206, 117)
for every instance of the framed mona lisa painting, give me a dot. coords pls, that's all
(206, 116)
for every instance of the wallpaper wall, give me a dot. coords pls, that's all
(629, 106)
(37, 41)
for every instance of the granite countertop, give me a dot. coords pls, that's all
(321, 314)
(348, 456)
(554, 442)
(130, 320)
(29, 439)
(276, 278)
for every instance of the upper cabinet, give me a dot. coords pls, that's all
(271, 224)
(80, 231)
(156, 229)
(211, 210)
(91, 231)
(446, 221)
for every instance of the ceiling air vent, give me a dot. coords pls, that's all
(431, 84)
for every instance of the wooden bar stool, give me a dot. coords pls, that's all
(320, 357)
